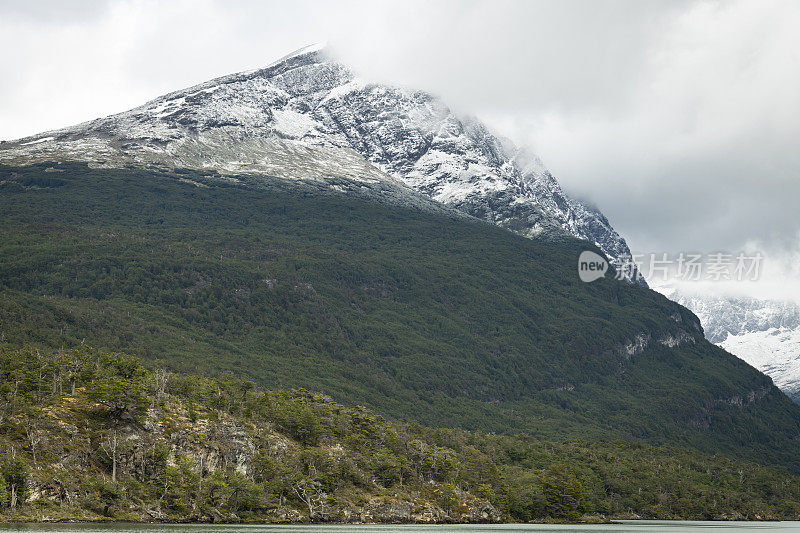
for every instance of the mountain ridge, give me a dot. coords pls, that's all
(308, 116)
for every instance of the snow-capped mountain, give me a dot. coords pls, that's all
(764, 333)
(307, 116)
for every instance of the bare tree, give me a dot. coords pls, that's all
(42, 360)
(311, 493)
(73, 369)
(161, 381)
(34, 437)
(15, 476)
(58, 372)
(109, 446)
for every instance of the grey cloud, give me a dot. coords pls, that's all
(680, 120)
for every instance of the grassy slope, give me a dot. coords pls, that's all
(418, 315)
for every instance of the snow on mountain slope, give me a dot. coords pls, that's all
(307, 116)
(775, 351)
(764, 333)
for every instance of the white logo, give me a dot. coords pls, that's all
(591, 266)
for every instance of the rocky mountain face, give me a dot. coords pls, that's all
(178, 461)
(309, 117)
(764, 333)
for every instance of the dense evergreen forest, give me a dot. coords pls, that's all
(422, 316)
(95, 435)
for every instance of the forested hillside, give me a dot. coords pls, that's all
(94, 435)
(415, 313)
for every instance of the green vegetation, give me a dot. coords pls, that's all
(420, 316)
(204, 449)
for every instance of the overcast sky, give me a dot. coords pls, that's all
(680, 120)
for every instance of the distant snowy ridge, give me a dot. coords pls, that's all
(764, 333)
(308, 117)
(775, 351)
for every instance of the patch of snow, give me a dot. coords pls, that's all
(37, 141)
(775, 352)
(355, 85)
(292, 124)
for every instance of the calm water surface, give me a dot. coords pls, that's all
(633, 526)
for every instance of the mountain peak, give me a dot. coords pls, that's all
(308, 117)
(313, 53)
(313, 48)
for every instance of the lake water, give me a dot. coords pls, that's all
(634, 526)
